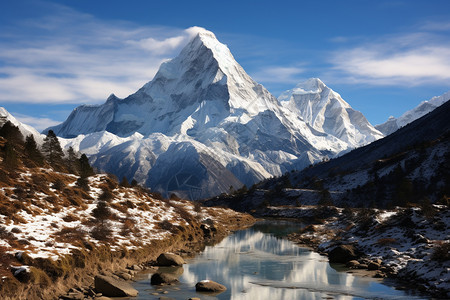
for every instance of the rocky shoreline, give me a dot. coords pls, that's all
(104, 264)
(403, 244)
(116, 283)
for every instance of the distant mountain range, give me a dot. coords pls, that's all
(410, 166)
(393, 124)
(203, 126)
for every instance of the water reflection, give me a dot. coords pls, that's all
(257, 265)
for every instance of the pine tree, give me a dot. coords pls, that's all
(85, 168)
(10, 159)
(52, 150)
(32, 152)
(72, 161)
(124, 182)
(101, 212)
(12, 133)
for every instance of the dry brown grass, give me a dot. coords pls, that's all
(70, 234)
(386, 241)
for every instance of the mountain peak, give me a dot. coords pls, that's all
(312, 85)
(326, 111)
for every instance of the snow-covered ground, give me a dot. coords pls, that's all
(46, 220)
(412, 243)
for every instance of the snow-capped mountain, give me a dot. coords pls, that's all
(201, 126)
(325, 111)
(392, 124)
(26, 130)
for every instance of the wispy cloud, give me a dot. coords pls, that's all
(70, 57)
(275, 74)
(403, 59)
(38, 123)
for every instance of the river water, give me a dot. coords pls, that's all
(257, 263)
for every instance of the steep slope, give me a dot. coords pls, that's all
(393, 124)
(236, 131)
(26, 130)
(326, 111)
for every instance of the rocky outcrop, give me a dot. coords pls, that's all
(209, 286)
(111, 287)
(170, 259)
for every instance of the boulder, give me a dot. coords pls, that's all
(352, 264)
(373, 265)
(163, 278)
(342, 254)
(124, 276)
(169, 259)
(209, 286)
(111, 287)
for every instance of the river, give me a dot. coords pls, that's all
(257, 263)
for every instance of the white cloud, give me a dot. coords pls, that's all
(38, 123)
(69, 57)
(407, 60)
(275, 74)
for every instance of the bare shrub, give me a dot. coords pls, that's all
(386, 241)
(441, 251)
(58, 185)
(71, 218)
(102, 232)
(166, 225)
(70, 234)
(128, 226)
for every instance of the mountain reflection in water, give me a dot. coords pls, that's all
(254, 264)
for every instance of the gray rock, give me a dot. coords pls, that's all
(170, 259)
(209, 286)
(124, 276)
(163, 278)
(136, 268)
(111, 287)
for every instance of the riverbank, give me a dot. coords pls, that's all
(56, 235)
(408, 244)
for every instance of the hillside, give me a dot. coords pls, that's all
(59, 229)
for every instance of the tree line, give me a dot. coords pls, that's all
(17, 149)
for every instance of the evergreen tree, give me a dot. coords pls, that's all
(101, 212)
(52, 150)
(10, 160)
(12, 133)
(72, 161)
(124, 182)
(85, 168)
(32, 152)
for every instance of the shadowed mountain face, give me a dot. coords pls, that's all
(236, 131)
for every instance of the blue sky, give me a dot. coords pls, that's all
(383, 57)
